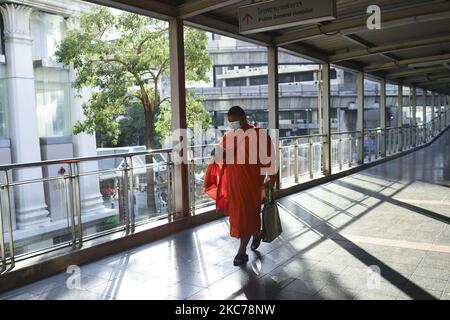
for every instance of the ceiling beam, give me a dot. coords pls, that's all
(155, 9)
(437, 86)
(357, 24)
(194, 8)
(408, 73)
(429, 77)
(404, 45)
(306, 53)
(437, 82)
(366, 44)
(437, 59)
(208, 23)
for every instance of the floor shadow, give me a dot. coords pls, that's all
(395, 278)
(410, 207)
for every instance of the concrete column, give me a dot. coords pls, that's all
(273, 101)
(413, 116)
(31, 209)
(400, 115)
(360, 116)
(326, 118)
(383, 117)
(179, 123)
(84, 145)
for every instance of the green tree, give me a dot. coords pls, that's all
(125, 67)
(198, 116)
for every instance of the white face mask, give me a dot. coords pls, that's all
(234, 125)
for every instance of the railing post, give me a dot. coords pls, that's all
(340, 152)
(360, 116)
(382, 146)
(280, 161)
(400, 117)
(2, 236)
(296, 161)
(72, 205)
(424, 111)
(311, 158)
(439, 111)
(192, 182)
(170, 166)
(125, 192)
(78, 203)
(133, 212)
(413, 117)
(350, 150)
(9, 218)
(377, 136)
(6, 187)
(433, 113)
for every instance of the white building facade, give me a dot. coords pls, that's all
(38, 108)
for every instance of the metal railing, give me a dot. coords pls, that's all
(301, 161)
(93, 196)
(300, 157)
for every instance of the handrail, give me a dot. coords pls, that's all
(79, 159)
(345, 132)
(303, 137)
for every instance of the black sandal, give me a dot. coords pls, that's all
(256, 242)
(240, 259)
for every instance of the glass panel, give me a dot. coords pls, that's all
(202, 157)
(40, 210)
(53, 102)
(102, 195)
(151, 187)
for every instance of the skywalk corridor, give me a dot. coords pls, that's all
(394, 217)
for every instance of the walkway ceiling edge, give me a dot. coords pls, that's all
(201, 14)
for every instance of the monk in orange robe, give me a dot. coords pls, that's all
(245, 157)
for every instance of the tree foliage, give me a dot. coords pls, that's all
(198, 117)
(124, 57)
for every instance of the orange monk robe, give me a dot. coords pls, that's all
(242, 184)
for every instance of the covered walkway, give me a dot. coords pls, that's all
(392, 218)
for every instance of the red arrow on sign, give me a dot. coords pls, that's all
(247, 18)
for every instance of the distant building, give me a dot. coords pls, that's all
(239, 77)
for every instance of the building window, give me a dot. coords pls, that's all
(304, 76)
(53, 102)
(286, 78)
(47, 30)
(257, 81)
(333, 74)
(238, 82)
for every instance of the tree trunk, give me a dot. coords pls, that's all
(149, 123)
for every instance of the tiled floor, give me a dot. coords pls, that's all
(391, 220)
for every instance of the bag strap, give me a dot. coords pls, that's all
(268, 193)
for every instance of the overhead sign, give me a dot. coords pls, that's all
(278, 14)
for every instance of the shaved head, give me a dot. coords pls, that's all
(236, 111)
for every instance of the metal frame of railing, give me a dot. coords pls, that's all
(394, 139)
